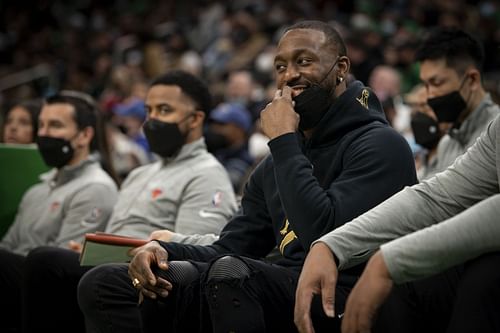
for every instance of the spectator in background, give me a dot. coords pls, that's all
(239, 43)
(362, 63)
(62, 36)
(427, 132)
(124, 93)
(124, 83)
(240, 88)
(386, 84)
(451, 62)
(227, 138)
(129, 117)
(126, 154)
(257, 143)
(75, 197)
(405, 45)
(21, 122)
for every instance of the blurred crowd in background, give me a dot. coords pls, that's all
(112, 49)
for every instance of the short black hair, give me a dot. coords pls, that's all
(332, 35)
(190, 85)
(87, 114)
(86, 111)
(458, 48)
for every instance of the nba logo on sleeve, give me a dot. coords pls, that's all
(217, 199)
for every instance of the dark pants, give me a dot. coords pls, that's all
(477, 304)
(51, 278)
(108, 300)
(10, 283)
(464, 299)
(240, 295)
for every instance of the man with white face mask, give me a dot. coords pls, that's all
(450, 68)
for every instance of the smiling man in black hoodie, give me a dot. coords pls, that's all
(333, 157)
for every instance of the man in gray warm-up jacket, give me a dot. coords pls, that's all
(438, 241)
(187, 191)
(451, 62)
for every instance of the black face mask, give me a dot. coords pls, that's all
(313, 103)
(215, 141)
(122, 129)
(425, 130)
(165, 139)
(448, 107)
(56, 152)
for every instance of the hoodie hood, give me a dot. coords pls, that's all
(357, 106)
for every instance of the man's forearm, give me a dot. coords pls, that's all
(429, 251)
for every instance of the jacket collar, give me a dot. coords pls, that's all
(187, 151)
(58, 177)
(472, 122)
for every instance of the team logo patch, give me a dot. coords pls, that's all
(93, 217)
(55, 206)
(288, 236)
(95, 214)
(363, 99)
(217, 199)
(156, 193)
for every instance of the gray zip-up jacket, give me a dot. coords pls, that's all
(446, 220)
(67, 204)
(458, 140)
(190, 195)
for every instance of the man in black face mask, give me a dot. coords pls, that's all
(426, 130)
(227, 138)
(75, 197)
(450, 68)
(331, 158)
(187, 191)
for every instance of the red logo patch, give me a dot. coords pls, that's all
(55, 206)
(156, 193)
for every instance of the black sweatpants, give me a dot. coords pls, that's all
(260, 299)
(50, 283)
(10, 283)
(463, 299)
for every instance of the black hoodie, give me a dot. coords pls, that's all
(305, 188)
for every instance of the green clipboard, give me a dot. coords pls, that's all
(20, 168)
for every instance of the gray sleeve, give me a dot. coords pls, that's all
(471, 179)
(205, 239)
(12, 237)
(208, 202)
(467, 235)
(88, 211)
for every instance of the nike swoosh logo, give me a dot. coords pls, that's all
(86, 224)
(203, 213)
